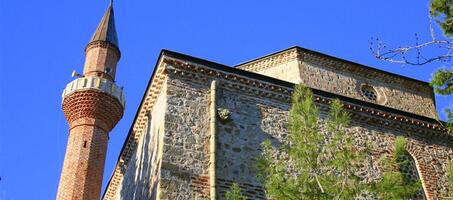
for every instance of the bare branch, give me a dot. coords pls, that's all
(431, 27)
(413, 54)
(401, 54)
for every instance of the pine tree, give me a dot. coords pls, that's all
(321, 161)
(323, 164)
(442, 12)
(395, 184)
(442, 82)
(235, 193)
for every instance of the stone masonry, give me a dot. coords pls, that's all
(298, 65)
(166, 154)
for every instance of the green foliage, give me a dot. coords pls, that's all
(442, 11)
(395, 184)
(400, 147)
(323, 166)
(442, 81)
(235, 193)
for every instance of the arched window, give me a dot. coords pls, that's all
(409, 170)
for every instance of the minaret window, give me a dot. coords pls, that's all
(108, 70)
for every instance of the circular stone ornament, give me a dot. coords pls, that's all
(372, 94)
(224, 114)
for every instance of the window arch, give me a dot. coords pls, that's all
(410, 171)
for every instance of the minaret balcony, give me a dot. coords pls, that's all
(95, 83)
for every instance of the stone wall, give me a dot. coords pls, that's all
(255, 119)
(401, 97)
(185, 162)
(345, 78)
(179, 168)
(287, 71)
(141, 176)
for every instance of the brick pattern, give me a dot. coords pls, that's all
(252, 192)
(83, 167)
(91, 115)
(92, 104)
(200, 184)
(425, 167)
(99, 56)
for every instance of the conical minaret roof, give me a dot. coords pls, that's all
(106, 30)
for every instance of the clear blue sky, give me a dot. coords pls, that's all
(41, 42)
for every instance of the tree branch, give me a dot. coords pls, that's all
(400, 55)
(319, 184)
(412, 54)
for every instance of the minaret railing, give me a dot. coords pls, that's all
(95, 83)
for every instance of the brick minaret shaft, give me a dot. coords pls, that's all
(92, 105)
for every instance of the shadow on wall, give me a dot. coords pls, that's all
(136, 183)
(239, 140)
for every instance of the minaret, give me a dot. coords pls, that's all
(92, 105)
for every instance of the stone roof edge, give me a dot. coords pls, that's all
(275, 83)
(267, 58)
(260, 81)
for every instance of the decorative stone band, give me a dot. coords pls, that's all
(269, 61)
(95, 83)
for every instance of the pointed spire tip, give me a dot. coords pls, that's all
(106, 30)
